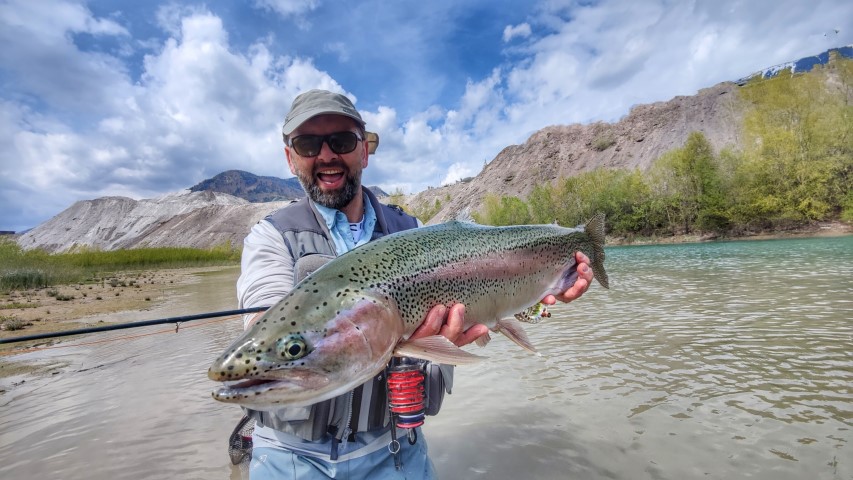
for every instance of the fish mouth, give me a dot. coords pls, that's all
(244, 389)
(267, 393)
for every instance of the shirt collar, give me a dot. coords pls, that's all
(338, 225)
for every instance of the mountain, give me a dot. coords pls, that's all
(252, 187)
(635, 141)
(258, 189)
(805, 64)
(201, 218)
(191, 219)
(561, 151)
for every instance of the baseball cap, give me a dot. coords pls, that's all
(318, 102)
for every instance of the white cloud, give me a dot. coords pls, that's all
(521, 30)
(78, 123)
(199, 109)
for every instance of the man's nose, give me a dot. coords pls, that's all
(326, 151)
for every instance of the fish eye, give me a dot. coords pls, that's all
(293, 348)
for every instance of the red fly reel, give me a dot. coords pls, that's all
(406, 393)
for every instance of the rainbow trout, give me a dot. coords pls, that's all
(340, 325)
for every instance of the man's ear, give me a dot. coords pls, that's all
(365, 152)
(287, 155)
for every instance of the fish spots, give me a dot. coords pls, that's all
(293, 323)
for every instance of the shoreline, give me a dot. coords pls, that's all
(70, 307)
(817, 230)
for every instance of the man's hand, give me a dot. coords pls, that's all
(449, 323)
(581, 284)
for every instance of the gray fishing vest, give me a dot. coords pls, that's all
(366, 408)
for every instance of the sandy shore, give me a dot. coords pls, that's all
(66, 307)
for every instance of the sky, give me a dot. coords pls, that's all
(140, 99)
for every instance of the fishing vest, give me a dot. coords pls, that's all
(310, 244)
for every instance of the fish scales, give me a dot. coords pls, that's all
(341, 324)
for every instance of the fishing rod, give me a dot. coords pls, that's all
(122, 326)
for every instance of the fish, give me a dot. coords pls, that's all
(342, 323)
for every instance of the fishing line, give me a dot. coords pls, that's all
(227, 315)
(111, 339)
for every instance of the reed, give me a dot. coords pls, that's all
(26, 269)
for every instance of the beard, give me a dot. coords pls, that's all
(336, 199)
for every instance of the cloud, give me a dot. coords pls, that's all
(521, 30)
(95, 105)
(198, 109)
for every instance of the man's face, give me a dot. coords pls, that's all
(330, 179)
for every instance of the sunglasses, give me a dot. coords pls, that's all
(339, 142)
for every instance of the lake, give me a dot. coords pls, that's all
(714, 360)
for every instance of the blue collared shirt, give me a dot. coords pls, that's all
(339, 226)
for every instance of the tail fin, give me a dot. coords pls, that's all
(595, 229)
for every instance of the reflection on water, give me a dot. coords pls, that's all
(722, 360)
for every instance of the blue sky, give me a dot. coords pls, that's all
(140, 99)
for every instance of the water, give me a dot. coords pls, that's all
(720, 360)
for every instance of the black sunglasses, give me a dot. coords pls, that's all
(339, 142)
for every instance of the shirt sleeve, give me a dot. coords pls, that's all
(266, 268)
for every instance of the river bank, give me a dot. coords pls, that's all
(69, 307)
(817, 229)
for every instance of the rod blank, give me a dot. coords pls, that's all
(122, 326)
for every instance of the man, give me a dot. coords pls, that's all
(346, 437)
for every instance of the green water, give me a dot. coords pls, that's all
(715, 360)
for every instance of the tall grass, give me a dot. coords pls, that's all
(23, 269)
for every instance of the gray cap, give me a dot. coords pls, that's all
(318, 102)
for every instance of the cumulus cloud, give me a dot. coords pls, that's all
(521, 30)
(199, 108)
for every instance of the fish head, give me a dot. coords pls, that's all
(303, 352)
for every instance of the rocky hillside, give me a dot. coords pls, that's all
(566, 150)
(190, 219)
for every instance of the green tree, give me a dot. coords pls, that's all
(689, 188)
(799, 146)
(502, 211)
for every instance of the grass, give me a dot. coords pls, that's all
(27, 269)
(14, 305)
(11, 323)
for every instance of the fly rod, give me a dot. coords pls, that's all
(122, 326)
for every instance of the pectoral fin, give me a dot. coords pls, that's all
(436, 349)
(514, 331)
